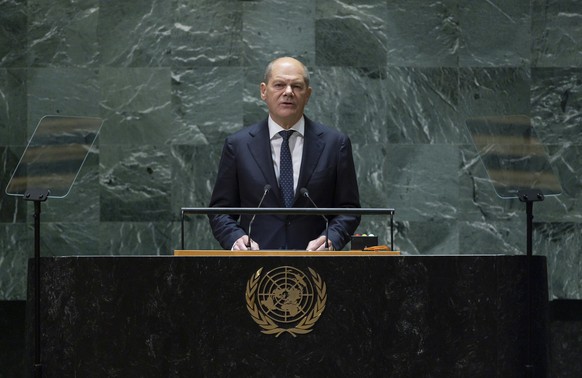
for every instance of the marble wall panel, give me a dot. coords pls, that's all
(193, 173)
(136, 106)
(197, 234)
(560, 242)
(17, 246)
(135, 183)
(13, 106)
(389, 106)
(171, 79)
(193, 170)
(494, 33)
(135, 33)
(137, 238)
(61, 91)
(70, 238)
(12, 209)
(556, 33)
(206, 33)
(428, 238)
(493, 237)
(13, 33)
(422, 105)
(63, 33)
(565, 207)
(420, 182)
(255, 109)
(423, 33)
(352, 100)
(351, 33)
(556, 104)
(494, 91)
(275, 28)
(207, 104)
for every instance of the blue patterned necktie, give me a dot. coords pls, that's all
(286, 169)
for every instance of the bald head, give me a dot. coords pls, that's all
(285, 60)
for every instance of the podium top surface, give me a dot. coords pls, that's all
(282, 253)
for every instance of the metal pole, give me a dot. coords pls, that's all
(37, 362)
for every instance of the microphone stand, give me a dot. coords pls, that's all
(326, 232)
(305, 193)
(265, 191)
(287, 211)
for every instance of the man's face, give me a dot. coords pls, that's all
(286, 92)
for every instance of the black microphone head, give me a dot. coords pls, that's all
(267, 187)
(304, 192)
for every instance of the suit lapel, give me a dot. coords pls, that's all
(313, 146)
(260, 148)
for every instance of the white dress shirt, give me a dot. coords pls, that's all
(295, 146)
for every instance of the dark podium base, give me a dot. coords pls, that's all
(413, 316)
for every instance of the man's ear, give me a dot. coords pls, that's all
(263, 89)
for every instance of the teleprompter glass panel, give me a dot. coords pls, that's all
(54, 155)
(513, 156)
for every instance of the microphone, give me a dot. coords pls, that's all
(305, 193)
(266, 189)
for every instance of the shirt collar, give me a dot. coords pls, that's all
(274, 127)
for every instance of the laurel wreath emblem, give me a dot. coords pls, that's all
(268, 325)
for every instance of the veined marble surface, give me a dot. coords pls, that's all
(173, 78)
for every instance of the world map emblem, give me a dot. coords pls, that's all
(286, 300)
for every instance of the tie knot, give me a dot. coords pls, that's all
(286, 134)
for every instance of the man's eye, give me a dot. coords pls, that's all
(278, 85)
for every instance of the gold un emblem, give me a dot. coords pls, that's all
(286, 300)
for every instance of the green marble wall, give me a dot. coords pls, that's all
(173, 78)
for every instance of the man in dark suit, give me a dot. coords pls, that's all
(309, 155)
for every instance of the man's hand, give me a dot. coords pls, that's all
(319, 244)
(241, 244)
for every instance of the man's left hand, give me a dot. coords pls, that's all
(319, 244)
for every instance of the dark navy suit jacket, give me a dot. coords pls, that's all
(246, 166)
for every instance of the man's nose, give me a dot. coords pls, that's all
(288, 90)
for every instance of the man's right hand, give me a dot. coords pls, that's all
(241, 244)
